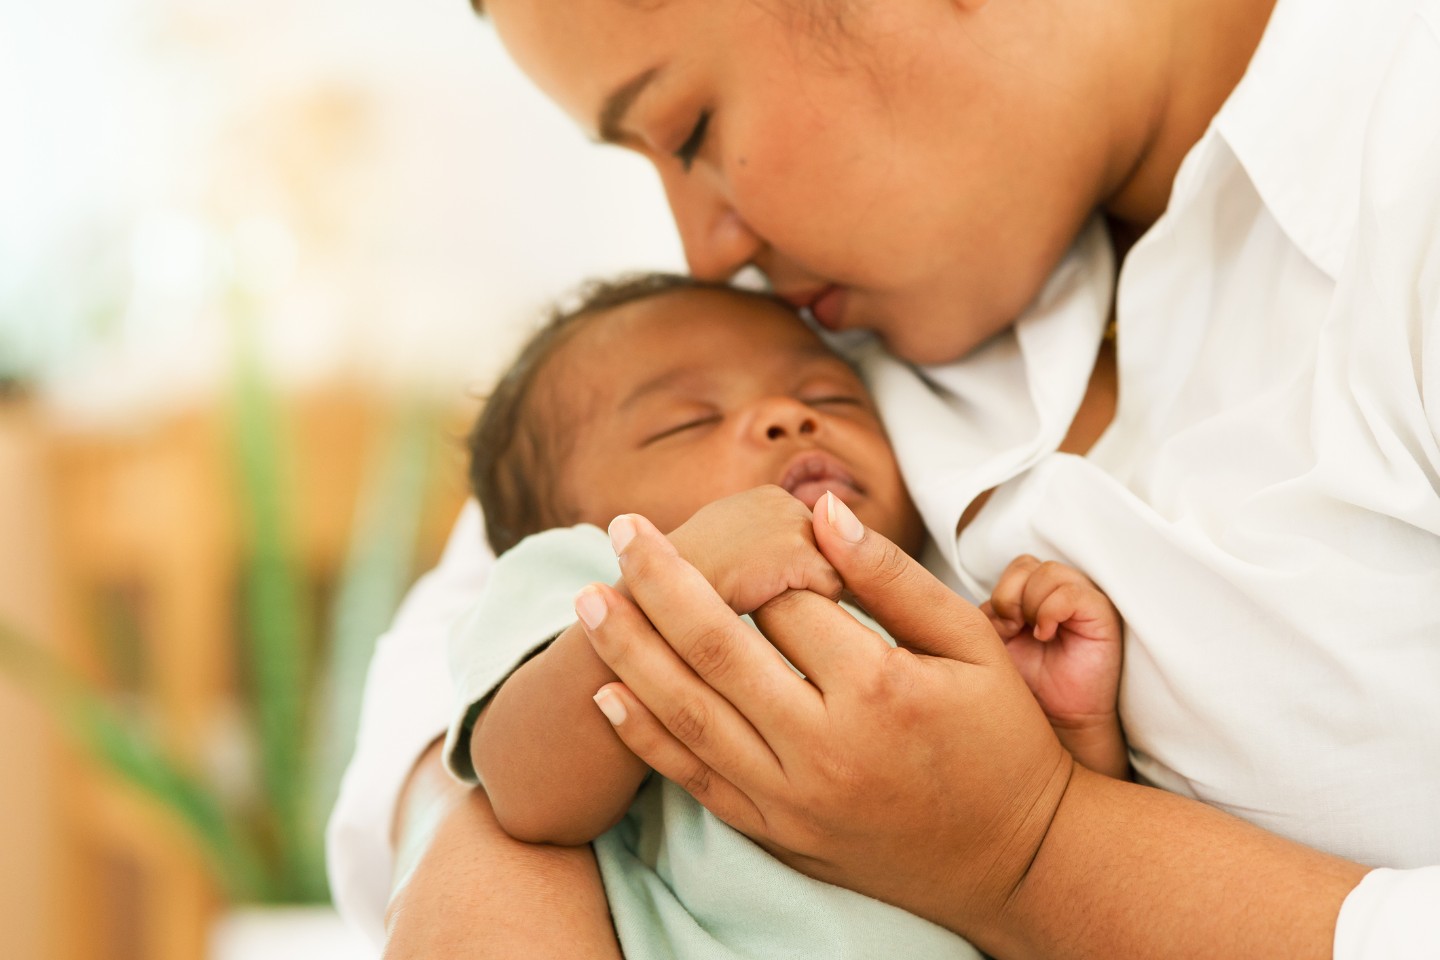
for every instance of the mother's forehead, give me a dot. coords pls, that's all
(581, 52)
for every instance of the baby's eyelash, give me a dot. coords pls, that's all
(838, 398)
(691, 147)
(681, 428)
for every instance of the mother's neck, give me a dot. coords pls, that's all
(1202, 49)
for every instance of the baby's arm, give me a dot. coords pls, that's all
(1065, 637)
(551, 763)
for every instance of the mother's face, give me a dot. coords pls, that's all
(922, 164)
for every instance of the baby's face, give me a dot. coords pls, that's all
(682, 399)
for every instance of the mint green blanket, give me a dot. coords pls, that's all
(682, 885)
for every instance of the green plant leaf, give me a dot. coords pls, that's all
(277, 637)
(379, 566)
(132, 755)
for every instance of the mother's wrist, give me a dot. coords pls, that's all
(1007, 930)
(1130, 871)
(979, 886)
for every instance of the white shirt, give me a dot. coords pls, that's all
(1264, 510)
(407, 706)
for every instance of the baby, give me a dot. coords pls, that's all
(721, 417)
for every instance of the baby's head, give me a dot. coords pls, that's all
(660, 394)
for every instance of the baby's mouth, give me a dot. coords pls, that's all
(809, 475)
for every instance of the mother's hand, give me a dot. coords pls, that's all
(925, 775)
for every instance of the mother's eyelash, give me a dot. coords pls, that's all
(691, 147)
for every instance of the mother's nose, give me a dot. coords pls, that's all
(717, 240)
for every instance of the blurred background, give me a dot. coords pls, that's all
(258, 264)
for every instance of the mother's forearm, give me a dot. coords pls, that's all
(468, 891)
(1130, 871)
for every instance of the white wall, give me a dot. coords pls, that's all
(394, 198)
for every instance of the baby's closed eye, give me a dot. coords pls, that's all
(692, 423)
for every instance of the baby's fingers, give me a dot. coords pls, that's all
(1007, 629)
(1053, 595)
(1059, 607)
(814, 572)
(1005, 605)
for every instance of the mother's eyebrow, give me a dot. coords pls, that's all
(612, 112)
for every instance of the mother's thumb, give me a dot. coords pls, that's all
(919, 611)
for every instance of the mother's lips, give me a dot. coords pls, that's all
(826, 304)
(829, 308)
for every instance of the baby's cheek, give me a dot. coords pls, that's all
(898, 520)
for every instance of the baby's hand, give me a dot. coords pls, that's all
(754, 546)
(1065, 637)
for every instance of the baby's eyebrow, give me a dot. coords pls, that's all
(658, 384)
(821, 353)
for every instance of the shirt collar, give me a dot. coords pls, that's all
(1297, 119)
(960, 428)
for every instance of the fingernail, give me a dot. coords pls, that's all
(843, 521)
(622, 531)
(590, 607)
(611, 706)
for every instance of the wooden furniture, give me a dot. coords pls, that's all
(29, 828)
(135, 533)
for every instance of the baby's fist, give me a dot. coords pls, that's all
(754, 546)
(1064, 636)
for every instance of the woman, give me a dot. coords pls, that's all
(1263, 507)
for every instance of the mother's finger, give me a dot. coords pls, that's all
(695, 714)
(648, 739)
(821, 638)
(692, 618)
(920, 612)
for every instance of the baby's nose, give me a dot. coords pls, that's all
(778, 430)
(787, 418)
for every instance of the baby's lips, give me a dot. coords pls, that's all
(817, 467)
(810, 492)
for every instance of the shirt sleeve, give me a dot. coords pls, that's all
(528, 600)
(1391, 915)
(406, 707)
(1395, 914)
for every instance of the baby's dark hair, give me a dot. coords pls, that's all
(515, 454)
